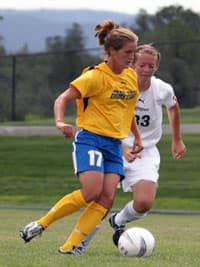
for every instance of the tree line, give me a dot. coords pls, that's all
(29, 83)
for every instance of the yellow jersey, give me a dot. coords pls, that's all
(107, 102)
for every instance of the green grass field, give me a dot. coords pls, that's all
(38, 171)
(177, 243)
(188, 115)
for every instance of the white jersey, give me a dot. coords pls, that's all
(148, 112)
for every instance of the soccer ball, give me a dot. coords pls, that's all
(136, 241)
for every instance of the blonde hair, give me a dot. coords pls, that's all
(111, 34)
(147, 49)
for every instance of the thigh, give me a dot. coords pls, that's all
(144, 191)
(92, 184)
(110, 183)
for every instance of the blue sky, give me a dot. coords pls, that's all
(125, 6)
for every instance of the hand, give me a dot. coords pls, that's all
(137, 145)
(66, 129)
(130, 156)
(178, 149)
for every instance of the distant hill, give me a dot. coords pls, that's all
(32, 27)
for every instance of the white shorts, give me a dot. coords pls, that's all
(144, 168)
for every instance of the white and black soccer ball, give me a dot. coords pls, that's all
(136, 242)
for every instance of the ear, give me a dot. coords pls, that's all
(111, 50)
(156, 68)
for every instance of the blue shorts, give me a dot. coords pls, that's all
(99, 153)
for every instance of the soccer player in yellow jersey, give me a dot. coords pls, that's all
(106, 96)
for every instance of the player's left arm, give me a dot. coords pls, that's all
(178, 146)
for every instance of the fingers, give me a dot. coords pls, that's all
(137, 149)
(67, 130)
(130, 156)
(135, 157)
(179, 155)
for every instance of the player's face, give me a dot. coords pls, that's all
(123, 57)
(145, 66)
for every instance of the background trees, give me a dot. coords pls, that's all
(39, 78)
(176, 33)
(2, 50)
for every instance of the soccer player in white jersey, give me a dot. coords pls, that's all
(142, 170)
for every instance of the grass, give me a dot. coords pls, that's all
(177, 243)
(37, 171)
(187, 116)
(37, 121)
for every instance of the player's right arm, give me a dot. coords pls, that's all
(137, 145)
(60, 105)
(128, 153)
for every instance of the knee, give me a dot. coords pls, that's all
(109, 201)
(92, 195)
(106, 201)
(143, 205)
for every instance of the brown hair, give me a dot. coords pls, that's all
(111, 34)
(147, 49)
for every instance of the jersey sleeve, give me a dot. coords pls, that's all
(87, 83)
(166, 95)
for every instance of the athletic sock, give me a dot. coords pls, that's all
(87, 222)
(128, 214)
(65, 206)
(90, 237)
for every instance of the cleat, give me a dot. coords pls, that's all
(82, 247)
(116, 236)
(114, 225)
(118, 229)
(73, 251)
(30, 231)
